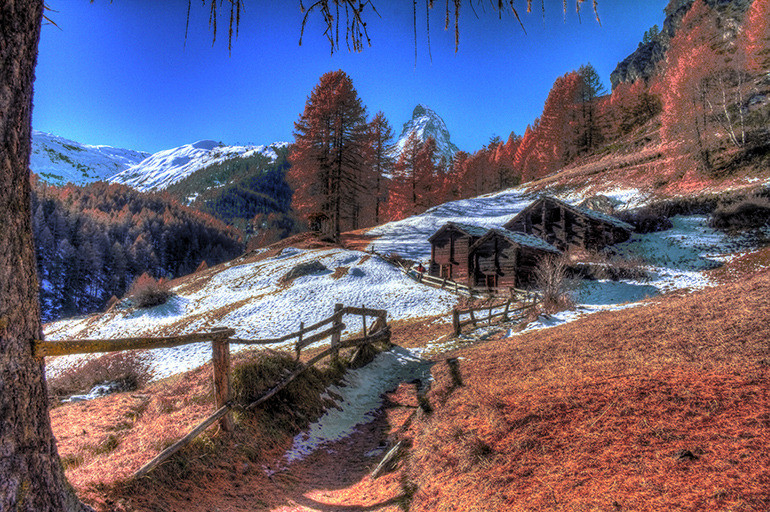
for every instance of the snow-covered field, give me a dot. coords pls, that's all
(250, 298)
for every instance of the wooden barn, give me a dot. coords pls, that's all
(563, 225)
(450, 251)
(504, 259)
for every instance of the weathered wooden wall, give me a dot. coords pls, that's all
(512, 264)
(451, 248)
(564, 227)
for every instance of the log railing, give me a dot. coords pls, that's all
(439, 282)
(510, 310)
(221, 338)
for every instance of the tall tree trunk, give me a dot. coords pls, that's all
(31, 475)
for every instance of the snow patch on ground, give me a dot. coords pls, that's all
(360, 396)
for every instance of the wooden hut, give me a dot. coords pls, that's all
(450, 251)
(563, 225)
(504, 259)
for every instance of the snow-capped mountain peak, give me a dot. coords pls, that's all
(57, 160)
(167, 167)
(426, 123)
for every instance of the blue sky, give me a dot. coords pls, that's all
(122, 74)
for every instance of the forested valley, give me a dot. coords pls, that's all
(93, 241)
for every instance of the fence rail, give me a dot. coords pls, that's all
(221, 338)
(67, 347)
(493, 313)
(448, 284)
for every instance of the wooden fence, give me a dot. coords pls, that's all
(448, 284)
(221, 339)
(494, 313)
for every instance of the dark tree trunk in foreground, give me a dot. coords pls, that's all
(31, 475)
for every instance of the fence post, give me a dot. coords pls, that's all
(456, 321)
(337, 334)
(221, 359)
(490, 315)
(505, 312)
(298, 346)
(363, 319)
(473, 318)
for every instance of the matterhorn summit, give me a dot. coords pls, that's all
(426, 123)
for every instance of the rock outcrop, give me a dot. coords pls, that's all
(643, 63)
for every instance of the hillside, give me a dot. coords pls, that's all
(670, 395)
(656, 408)
(58, 161)
(170, 166)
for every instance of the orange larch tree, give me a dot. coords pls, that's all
(381, 163)
(329, 155)
(702, 91)
(756, 36)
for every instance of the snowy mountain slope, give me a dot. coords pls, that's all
(170, 166)
(426, 123)
(58, 160)
(248, 296)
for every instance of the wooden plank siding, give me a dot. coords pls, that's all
(565, 226)
(450, 252)
(502, 259)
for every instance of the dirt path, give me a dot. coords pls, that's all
(336, 478)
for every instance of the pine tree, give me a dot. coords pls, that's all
(329, 154)
(590, 89)
(381, 137)
(402, 199)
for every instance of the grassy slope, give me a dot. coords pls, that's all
(596, 415)
(589, 415)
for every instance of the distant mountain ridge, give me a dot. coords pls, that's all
(58, 161)
(426, 123)
(170, 166)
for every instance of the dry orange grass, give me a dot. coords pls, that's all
(600, 414)
(605, 413)
(105, 440)
(743, 266)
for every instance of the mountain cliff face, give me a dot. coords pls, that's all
(643, 62)
(427, 123)
(58, 161)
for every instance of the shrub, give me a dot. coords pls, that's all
(292, 408)
(551, 279)
(750, 213)
(111, 303)
(127, 368)
(146, 292)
